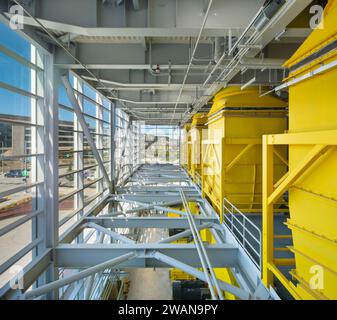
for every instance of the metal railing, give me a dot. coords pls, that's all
(103, 285)
(197, 179)
(244, 231)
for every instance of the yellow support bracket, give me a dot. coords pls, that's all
(305, 286)
(284, 262)
(281, 157)
(284, 281)
(281, 180)
(326, 137)
(239, 156)
(315, 153)
(267, 211)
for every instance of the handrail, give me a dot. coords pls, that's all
(198, 179)
(230, 218)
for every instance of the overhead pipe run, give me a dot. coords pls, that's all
(263, 16)
(141, 86)
(193, 54)
(217, 49)
(269, 9)
(148, 102)
(279, 8)
(247, 84)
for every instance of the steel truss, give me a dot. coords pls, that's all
(143, 202)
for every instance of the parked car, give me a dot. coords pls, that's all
(14, 174)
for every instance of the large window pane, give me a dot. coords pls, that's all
(15, 106)
(14, 73)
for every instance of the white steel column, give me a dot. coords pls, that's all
(113, 145)
(99, 141)
(78, 151)
(52, 77)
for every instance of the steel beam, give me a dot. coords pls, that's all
(84, 256)
(78, 276)
(184, 234)
(30, 273)
(109, 233)
(149, 222)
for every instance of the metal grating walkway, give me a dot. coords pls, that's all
(144, 202)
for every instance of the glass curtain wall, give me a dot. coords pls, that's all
(81, 184)
(161, 144)
(128, 144)
(22, 151)
(25, 71)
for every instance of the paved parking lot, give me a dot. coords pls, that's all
(9, 183)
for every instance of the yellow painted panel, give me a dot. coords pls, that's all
(249, 98)
(319, 37)
(198, 132)
(234, 171)
(313, 197)
(185, 147)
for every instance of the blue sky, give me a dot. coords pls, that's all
(18, 75)
(13, 73)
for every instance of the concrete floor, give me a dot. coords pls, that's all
(150, 284)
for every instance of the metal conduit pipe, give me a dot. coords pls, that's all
(88, 290)
(236, 59)
(238, 292)
(149, 102)
(282, 7)
(203, 263)
(139, 85)
(193, 54)
(214, 278)
(262, 17)
(184, 234)
(260, 22)
(201, 250)
(217, 49)
(78, 276)
(217, 233)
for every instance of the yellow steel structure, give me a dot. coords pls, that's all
(232, 156)
(185, 147)
(312, 176)
(198, 132)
